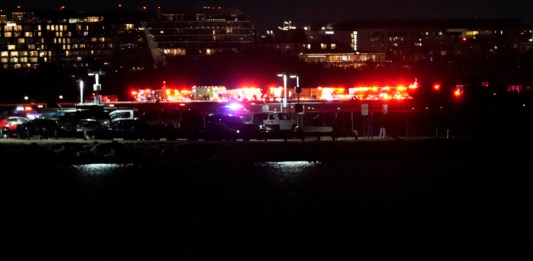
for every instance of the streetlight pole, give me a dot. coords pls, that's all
(81, 91)
(97, 86)
(284, 75)
(297, 90)
(297, 86)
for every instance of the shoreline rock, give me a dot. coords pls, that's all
(188, 152)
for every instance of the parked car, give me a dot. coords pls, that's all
(121, 114)
(86, 129)
(8, 125)
(68, 117)
(162, 123)
(128, 129)
(230, 127)
(41, 128)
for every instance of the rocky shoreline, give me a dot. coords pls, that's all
(65, 152)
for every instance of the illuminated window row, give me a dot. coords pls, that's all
(19, 66)
(59, 27)
(19, 60)
(174, 52)
(17, 53)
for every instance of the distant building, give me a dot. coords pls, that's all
(354, 43)
(29, 39)
(199, 32)
(133, 40)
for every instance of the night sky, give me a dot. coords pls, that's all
(272, 13)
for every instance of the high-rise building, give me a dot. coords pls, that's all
(29, 39)
(198, 32)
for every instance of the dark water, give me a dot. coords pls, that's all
(372, 210)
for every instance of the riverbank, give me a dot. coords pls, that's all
(102, 151)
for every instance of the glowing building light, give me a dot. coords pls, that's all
(354, 40)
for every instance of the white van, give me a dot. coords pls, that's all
(274, 124)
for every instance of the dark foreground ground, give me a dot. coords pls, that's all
(422, 199)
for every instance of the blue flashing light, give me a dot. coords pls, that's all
(234, 106)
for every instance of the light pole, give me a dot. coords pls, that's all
(81, 91)
(97, 86)
(292, 76)
(284, 75)
(297, 90)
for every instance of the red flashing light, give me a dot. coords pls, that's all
(458, 92)
(464, 39)
(436, 87)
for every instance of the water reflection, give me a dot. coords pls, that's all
(290, 167)
(98, 169)
(290, 171)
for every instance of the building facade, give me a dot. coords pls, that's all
(29, 39)
(199, 32)
(136, 39)
(408, 41)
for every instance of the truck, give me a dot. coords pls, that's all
(274, 124)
